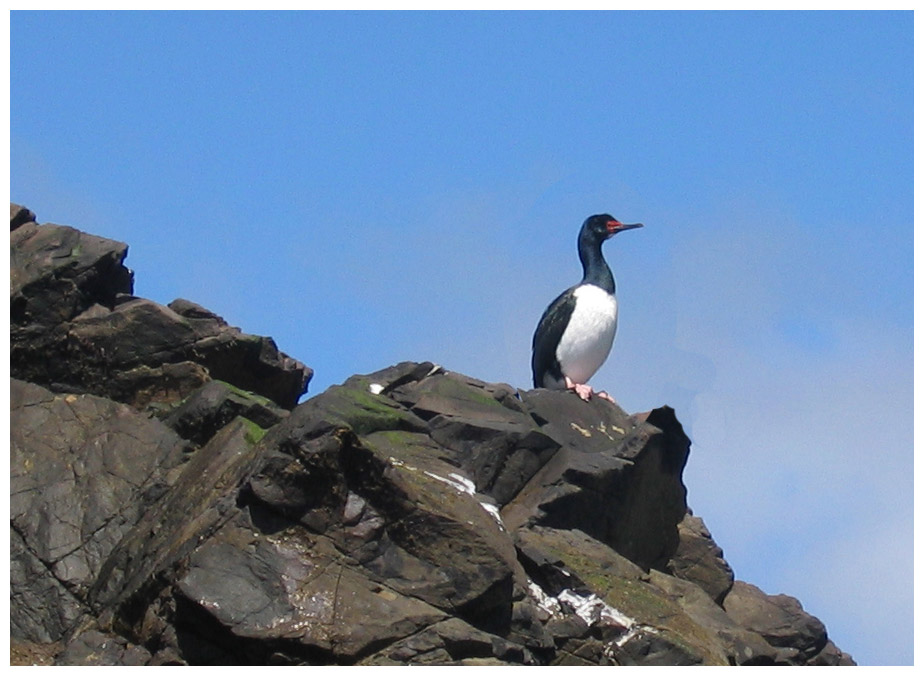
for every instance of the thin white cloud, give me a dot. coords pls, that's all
(799, 445)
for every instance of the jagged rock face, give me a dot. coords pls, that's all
(409, 516)
(76, 327)
(699, 559)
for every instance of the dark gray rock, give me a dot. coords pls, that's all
(700, 560)
(441, 546)
(211, 407)
(482, 428)
(19, 215)
(57, 272)
(742, 646)
(42, 609)
(383, 522)
(616, 477)
(249, 362)
(831, 656)
(780, 619)
(295, 587)
(75, 327)
(528, 627)
(451, 641)
(83, 470)
(160, 353)
(449, 549)
(313, 558)
(199, 500)
(350, 405)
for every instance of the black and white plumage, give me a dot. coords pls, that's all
(576, 331)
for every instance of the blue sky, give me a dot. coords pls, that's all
(369, 188)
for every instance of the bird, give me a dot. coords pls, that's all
(576, 331)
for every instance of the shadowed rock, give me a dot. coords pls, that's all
(700, 560)
(211, 407)
(616, 477)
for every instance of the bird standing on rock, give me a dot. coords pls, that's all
(576, 331)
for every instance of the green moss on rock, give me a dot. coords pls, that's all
(365, 412)
(253, 433)
(447, 386)
(250, 396)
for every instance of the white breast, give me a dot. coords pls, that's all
(589, 335)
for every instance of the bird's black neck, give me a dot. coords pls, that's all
(596, 271)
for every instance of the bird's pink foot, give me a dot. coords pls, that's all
(583, 391)
(604, 395)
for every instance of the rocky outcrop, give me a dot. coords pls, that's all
(170, 504)
(75, 326)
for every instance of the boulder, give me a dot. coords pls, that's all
(19, 215)
(82, 472)
(295, 588)
(699, 559)
(57, 272)
(742, 646)
(616, 477)
(201, 497)
(451, 641)
(831, 656)
(797, 636)
(141, 352)
(198, 417)
(42, 608)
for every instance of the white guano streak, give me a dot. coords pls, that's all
(467, 486)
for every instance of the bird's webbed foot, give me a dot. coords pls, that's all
(604, 395)
(583, 391)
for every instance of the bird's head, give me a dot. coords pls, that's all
(604, 226)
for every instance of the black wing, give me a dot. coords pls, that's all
(548, 335)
